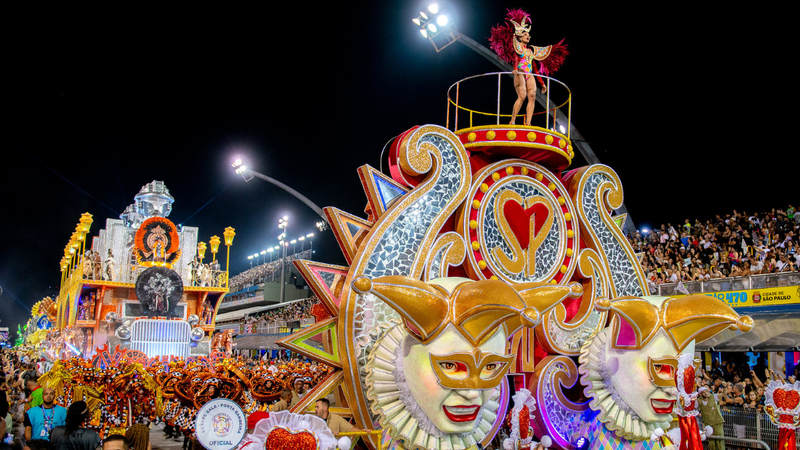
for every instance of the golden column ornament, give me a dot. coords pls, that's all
(84, 225)
(201, 250)
(214, 241)
(228, 234)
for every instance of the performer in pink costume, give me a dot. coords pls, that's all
(511, 43)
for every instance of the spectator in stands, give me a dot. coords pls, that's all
(740, 244)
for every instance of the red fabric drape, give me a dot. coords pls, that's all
(786, 439)
(690, 433)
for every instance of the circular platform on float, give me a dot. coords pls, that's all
(535, 144)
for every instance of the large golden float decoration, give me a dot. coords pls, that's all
(415, 317)
(460, 205)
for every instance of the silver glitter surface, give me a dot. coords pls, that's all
(564, 422)
(400, 245)
(574, 339)
(623, 273)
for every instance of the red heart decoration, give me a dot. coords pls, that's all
(519, 220)
(282, 439)
(786, 399)
(688, 379)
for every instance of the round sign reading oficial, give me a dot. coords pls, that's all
(221, 425)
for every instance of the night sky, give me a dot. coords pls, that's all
(689, 108)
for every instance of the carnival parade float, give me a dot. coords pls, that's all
(140, 285)
(489, 291)
(485, 267)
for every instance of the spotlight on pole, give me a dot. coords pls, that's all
(440, 36)
(241, 169)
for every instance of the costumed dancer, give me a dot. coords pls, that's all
(690, 436)
(97, 266)
(511, 42)
(108, 275)
(521, 437)
(88, 265)
(783, 408)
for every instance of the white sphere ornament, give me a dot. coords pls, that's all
(546, 441)
(344, 443)
(197, 334)
(123, 333)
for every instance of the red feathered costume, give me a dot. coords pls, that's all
(504, 42)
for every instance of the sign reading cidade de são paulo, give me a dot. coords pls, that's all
(787, 295)
(221, 425)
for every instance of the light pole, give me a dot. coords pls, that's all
(247, 173)
(250, 257)
(310, 237)
(294, 246)
(283, 224)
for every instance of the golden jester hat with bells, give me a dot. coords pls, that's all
(629, 367)
(434, 376)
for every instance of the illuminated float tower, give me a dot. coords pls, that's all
(140, 266)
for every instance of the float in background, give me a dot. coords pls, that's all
(140, 283)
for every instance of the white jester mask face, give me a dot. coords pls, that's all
(644, 378)
(450, 380)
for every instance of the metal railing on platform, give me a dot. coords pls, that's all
(480, 115)
(206, 278)
(745, 427)
(274, 327)
(764, 281)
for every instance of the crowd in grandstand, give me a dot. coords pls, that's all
(738, 244)
(292, 312)
(734, 383)
(262, 272)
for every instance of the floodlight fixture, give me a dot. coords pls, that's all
(241, 169)
(440, 36)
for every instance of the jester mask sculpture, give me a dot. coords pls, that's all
(629, 367)
(434, 377)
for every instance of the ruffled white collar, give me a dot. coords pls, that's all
(615, 413)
